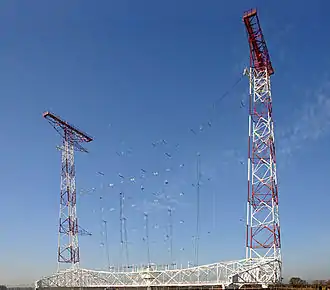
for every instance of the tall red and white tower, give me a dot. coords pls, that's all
(68, 247)
(263, 225)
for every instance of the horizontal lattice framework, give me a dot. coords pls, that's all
(260, 271)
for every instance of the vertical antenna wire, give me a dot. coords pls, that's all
(104, 238)
(121, 213)
(125, 238)
(146, 220)
(106, 242)
(213, 209)
(104, 227)
(102, 221)
(170, 225)
(197, 210)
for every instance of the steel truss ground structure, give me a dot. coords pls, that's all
(232, 274)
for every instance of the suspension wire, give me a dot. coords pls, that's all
(146, 220)
(225, 94)
(214, 105)
(197, 210)
(123, 221)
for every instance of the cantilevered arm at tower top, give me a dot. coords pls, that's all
(68, 131)
(259, 56)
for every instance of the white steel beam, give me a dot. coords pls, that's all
(224, 274)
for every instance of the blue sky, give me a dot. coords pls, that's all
(131, 73)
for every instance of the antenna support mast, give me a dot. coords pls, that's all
(263, 226)
(68, 247)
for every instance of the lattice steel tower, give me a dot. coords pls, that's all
(263, 226)
(68, 247)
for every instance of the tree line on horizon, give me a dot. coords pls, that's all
(298, 282)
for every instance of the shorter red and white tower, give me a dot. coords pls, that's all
(68, 246)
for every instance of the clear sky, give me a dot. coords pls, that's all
(131, 73)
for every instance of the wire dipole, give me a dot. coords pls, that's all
(197, 209)
(146, 225)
